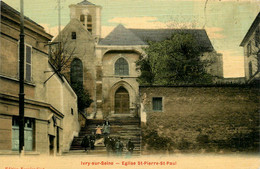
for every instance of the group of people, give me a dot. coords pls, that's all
(116, 146)
(113, 145)
(104, 130)
(88, 142)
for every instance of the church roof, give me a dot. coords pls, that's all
(85, 2)
(162, 34)
(123, 36)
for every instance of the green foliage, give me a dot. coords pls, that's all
(84, 99)
(202, 140)
(183, 144)
(173, 61)
(156, 142)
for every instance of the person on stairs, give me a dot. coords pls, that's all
(119, 147)
(106, 127)
(113, 145)
(109, 147)
(92, 139)
(130, 147)
(85, 142)
(106, 140)
(98, 132)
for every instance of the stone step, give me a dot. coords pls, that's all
(115, 128)
(121, 136)
(123, 127)
(136, 150)
(112, 126)
(78, 146)
(115, 135)
(112, 120)
(103, 148)
(99, 153)
(124, 137)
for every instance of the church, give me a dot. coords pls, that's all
(106, 67)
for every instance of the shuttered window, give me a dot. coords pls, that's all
(249, 49)
(157, 103)
(27, 63)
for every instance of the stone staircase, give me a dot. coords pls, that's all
(124, 127)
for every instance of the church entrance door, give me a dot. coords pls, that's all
(122, 101)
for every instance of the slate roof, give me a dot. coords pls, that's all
(122, 36)
(85, 2)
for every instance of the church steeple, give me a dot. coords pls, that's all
(85, 2)
(89, 15)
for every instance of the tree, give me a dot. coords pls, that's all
(174, 61)
(61, 53)
(84, 99)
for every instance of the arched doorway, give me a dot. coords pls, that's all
(122, 101)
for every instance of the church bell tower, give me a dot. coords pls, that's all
(89, 15)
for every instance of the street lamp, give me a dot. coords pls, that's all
(21, 81)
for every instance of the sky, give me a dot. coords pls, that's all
(226, 21)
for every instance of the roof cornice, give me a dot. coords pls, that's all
(251, 30)
(13, 15)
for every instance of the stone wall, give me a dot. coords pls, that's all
(201, 118)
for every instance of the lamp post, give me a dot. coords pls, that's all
(21, 81)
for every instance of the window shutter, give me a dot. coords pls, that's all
(28, 66)
(27, 62)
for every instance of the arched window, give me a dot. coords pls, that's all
(76, 72)
(89, 23)
(121, 67)
(89, 18)
(82, 18)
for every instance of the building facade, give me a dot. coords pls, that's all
(251, 45)
(108, 65)
(49, 104)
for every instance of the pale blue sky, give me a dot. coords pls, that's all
(226, 21)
